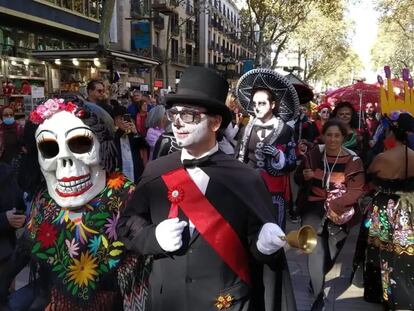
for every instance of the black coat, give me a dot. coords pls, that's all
(10, 197)
(137, 142)
(193, 277)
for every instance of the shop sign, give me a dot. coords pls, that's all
(38, 92)
(158, 83)
(144, 88)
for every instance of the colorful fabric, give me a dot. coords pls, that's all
(391, 246)
(80, 246)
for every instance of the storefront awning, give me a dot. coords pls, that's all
(92, 53)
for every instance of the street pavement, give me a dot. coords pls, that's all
(341, 295)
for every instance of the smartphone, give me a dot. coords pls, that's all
(19, 212)
(127, 117)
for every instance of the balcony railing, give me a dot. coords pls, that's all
(164, 6)
(189, 60)
(189, 36)
(175, 30)
(158, 53)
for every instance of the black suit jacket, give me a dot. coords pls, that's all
(193, 277)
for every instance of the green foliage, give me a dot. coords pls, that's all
(277, 22)
(323, 44)
(395, 41)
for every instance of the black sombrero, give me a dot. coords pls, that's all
(285, 93)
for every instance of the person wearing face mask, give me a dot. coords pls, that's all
(12, 136)
(206, 219)
(267, 144)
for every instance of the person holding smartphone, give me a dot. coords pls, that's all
(132, 147)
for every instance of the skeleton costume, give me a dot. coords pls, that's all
(70, 234)
(269, 147)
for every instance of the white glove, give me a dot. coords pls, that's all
(269, 241)
(169, 234)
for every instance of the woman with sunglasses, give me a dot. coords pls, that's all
(324, 112)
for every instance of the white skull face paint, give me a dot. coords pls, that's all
(262, 105)
(189, 134)
(68, 152)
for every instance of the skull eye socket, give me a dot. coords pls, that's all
(48, 148)
(80, 144)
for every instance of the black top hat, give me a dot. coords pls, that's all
(202, 87)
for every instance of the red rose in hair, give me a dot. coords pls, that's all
(35, 117)
(71, 107)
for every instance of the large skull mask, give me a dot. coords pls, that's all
(69, 160)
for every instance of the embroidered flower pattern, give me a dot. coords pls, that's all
(80, 247)
(83, 270)
(46, 235)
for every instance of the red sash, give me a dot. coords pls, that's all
(183, 192)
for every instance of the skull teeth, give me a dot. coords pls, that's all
(73, 184)
(72, 187)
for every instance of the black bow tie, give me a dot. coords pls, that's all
(204, 161)
(263, 128)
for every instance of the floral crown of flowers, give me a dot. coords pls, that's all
(51, 106)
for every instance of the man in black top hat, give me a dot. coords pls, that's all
(206, 219)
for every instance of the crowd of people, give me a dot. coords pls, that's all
(181, 202)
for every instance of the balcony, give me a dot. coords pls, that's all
(211, 45)
(158, 53)
(164, 6)
(158, 22)
(189, 60)
(190, 36)
(175, 30)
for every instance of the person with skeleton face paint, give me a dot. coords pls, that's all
(267, 144)
(71, 230)
(204, 217)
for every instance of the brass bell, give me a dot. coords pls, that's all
(303, 239)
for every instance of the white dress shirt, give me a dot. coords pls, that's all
(273, 121)
(200, 178)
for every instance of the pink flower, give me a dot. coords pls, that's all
(73, 248)
(41, 109)
(48, 104)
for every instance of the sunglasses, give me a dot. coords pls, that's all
(186, 115)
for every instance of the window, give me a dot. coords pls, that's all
(174, 24)
(157, 39)
(174, 49)
(89, 8)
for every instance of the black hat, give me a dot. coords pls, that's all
(282, 89)
(202, 87)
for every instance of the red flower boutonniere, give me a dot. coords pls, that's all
(175, 196)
